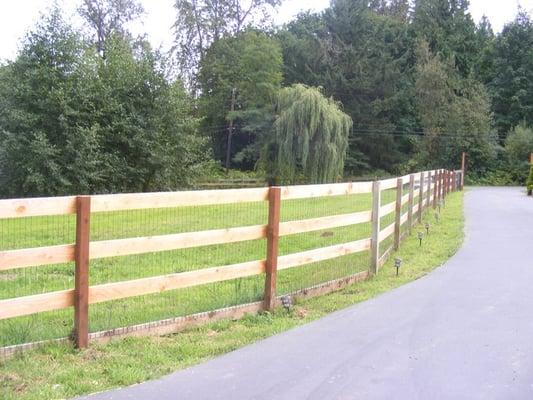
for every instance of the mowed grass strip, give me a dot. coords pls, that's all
(60, 371)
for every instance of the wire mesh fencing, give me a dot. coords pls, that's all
(325, 230)
(33, 232)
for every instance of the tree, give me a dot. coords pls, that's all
(309, 138)
(108, 17)
(454, 113)
(72, 122)
(360, 53)
(239, 79)
(448, 28)
(200, 23)
(510, 83)
(518, 147)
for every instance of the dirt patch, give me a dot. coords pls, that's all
(8, 277)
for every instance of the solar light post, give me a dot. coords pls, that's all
(420, 237)
(286, 302)
(427, 228)
(397, 264)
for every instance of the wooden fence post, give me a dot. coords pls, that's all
(397, 226)
(428, 200)
(441, 181)
(81, 277)
(435, 188)
(376, 227)
(454, 181)
(421, 198)
(463, 169)
(411, 201)
(271, 266)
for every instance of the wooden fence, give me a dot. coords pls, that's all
(426, 189)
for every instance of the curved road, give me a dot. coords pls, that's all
(463, 332)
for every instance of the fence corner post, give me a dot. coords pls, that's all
(271, 265)
(411, 202)
(421, 198)
(81, 279)
(398, 215)
(374, 249)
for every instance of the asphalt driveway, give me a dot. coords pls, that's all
(463, 332)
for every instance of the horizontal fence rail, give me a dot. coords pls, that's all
(390, 215)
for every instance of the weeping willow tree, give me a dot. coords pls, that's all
(309, 138)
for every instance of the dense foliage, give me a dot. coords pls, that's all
(418, 82)
(309, 139)
(73, 122)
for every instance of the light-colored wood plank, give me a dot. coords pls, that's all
(27, 305)
(22, 258)
(14, 208)
(335, 189)
(415, 208)
(387, 209)
(385, 233)
(388, 183)
(404, 218)
(405, 199)
(324, 253)
(138, 201)
(316, 224)
(150, 244)
(159, 284)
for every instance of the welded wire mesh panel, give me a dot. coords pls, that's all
(305, 276)
(388, 199)
(29, 232)
(404, 227)
(179, 302)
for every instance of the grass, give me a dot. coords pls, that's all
(60, 371)
(43, 231)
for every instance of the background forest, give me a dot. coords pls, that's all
(362, 89)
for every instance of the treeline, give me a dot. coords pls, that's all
(400, 85)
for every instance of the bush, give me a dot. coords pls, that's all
(529, 182)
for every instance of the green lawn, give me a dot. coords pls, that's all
(59, 371)
(43, 231)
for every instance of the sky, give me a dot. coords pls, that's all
(18, 16)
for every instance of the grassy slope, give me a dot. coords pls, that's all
(59, 371)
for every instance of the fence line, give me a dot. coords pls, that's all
(433, 186)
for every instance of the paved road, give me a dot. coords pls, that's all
(463, 332)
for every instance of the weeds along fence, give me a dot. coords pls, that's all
(87, 268)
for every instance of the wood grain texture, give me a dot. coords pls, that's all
(335, 189)
(27, 305)
(316, 224)
(22, 258)
(271, 266)
(15, 208)
(81, 277)
(160, 284)
(321, 254)
(123, 247)
(139, 201)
